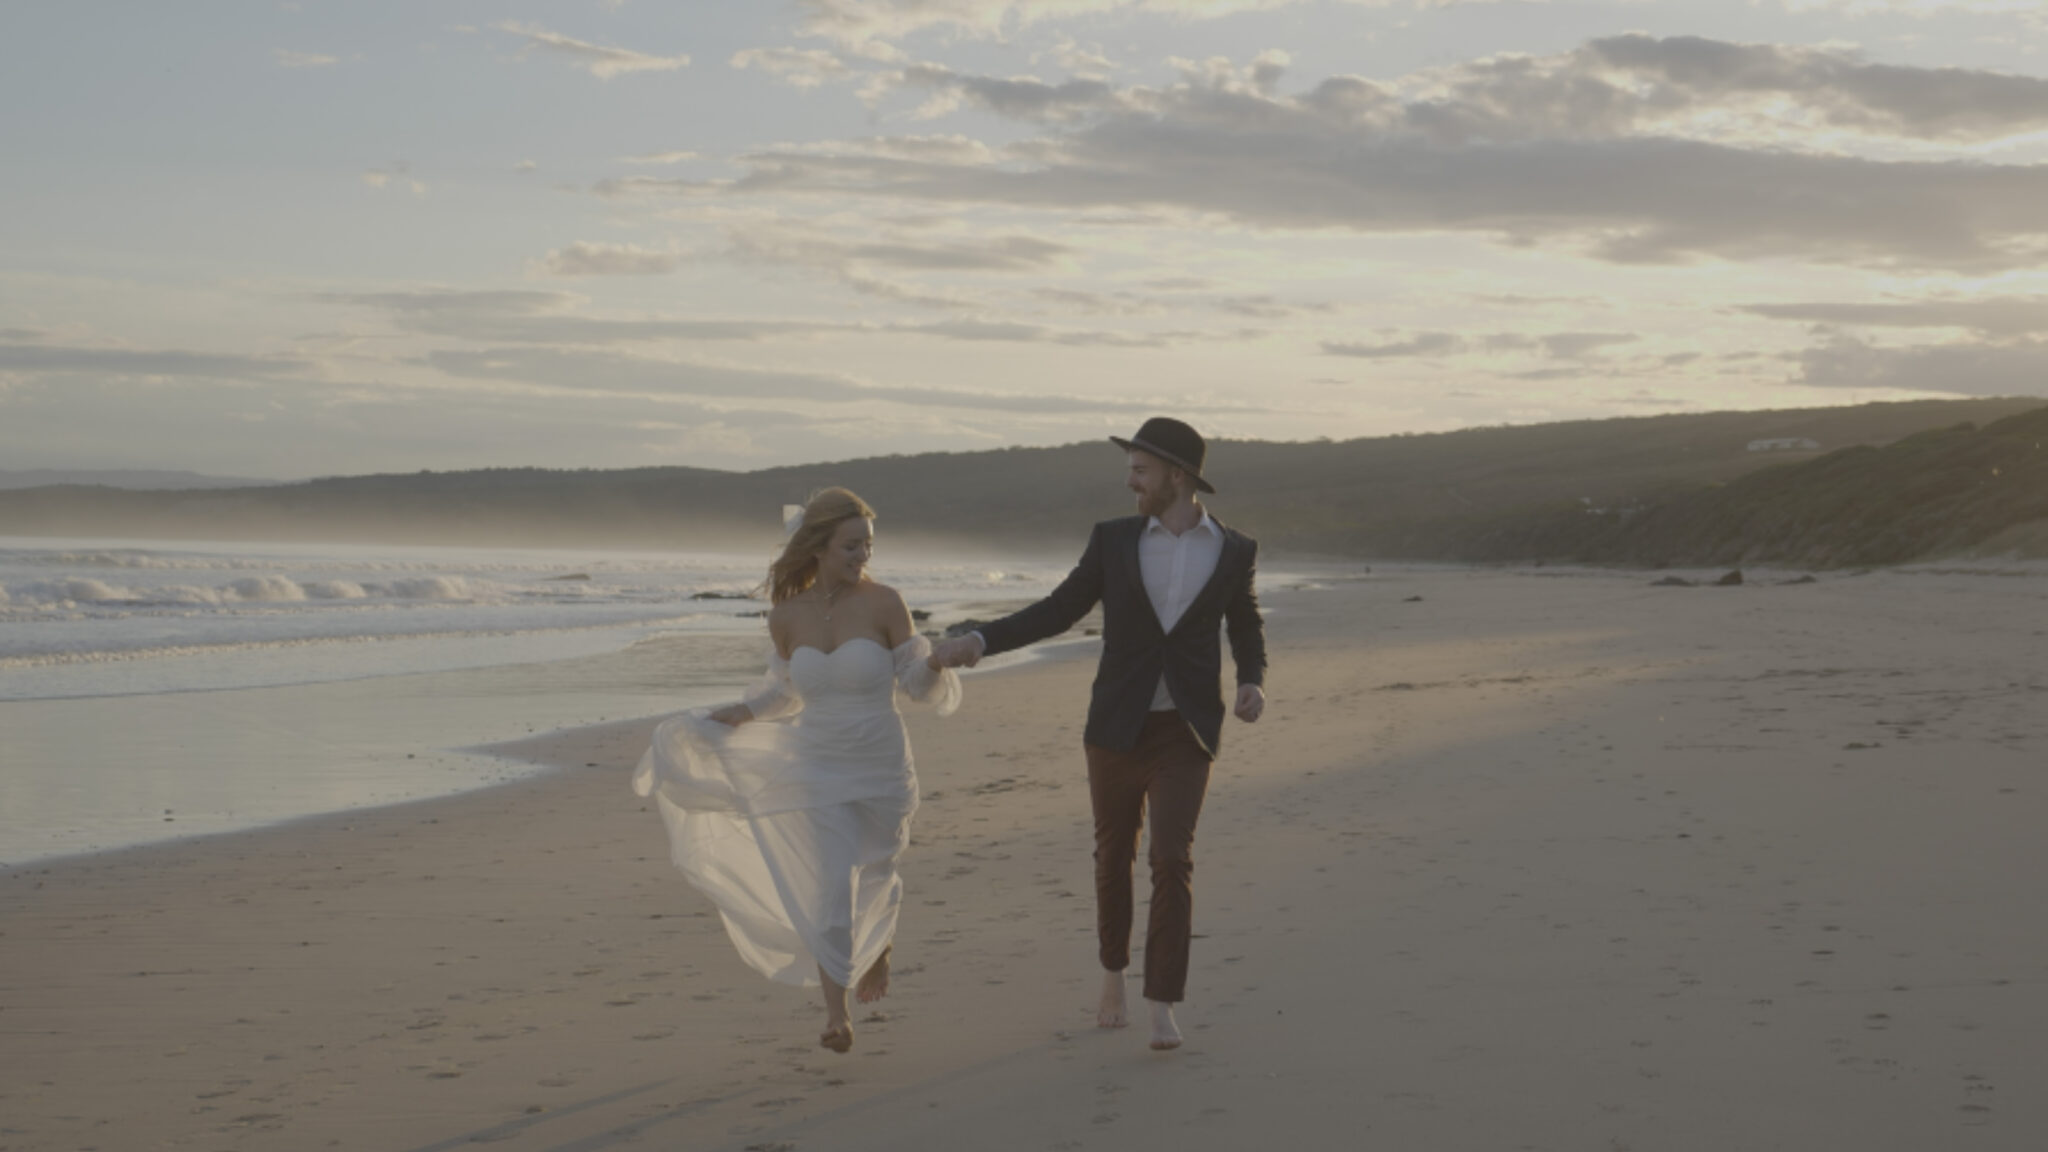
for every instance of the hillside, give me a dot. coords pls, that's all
(1935, 493)
(1618, 489)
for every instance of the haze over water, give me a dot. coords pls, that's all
(159, 690)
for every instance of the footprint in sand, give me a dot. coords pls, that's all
(1977, 1109)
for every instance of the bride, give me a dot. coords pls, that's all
(789, 808)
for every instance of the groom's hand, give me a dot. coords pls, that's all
(1251, 700)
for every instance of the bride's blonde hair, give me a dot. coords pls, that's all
(797, 568)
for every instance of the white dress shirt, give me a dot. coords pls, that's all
(1175, 570)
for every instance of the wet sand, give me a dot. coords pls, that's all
(1540, 860)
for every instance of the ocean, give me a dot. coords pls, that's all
(154, 690)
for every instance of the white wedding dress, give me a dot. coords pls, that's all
(792, 824)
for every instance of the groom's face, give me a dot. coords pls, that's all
(1152, 479)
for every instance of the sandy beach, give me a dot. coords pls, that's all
(1516, 860)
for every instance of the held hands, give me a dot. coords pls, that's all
(732, 715)
(1251, 701)
(958, 652)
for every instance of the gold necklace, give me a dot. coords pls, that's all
(829, 597)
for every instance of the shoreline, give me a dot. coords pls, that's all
(660, 675)
(500, 762)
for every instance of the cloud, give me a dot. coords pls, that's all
(37, 358)
(1991, 316)
(1021, 99)
(1844, 90)
(1423, 344)
(1911, 7)
(619, 186)
(614, 373)
(853, 262)
(1556, 345)
(356, 428)
(860, 22)
(1100, 303)
(286, 58)
(1642, 398)
(1555, 150)
(661, 158)
(1012, 332)
(800, 67)
(401, 171)
(2019, 368)
(529, 317)
(601, 61)
(587, 259)
(1078, 60)
(1579, 345)
(522, 316)
(1014, 253)
(1265, 306)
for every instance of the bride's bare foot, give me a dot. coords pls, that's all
(874, 983)
(838, 1033)
(1111, 1012)
(1165, 1033)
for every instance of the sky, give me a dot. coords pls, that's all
(319, 238)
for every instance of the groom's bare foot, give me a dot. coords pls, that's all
(874, 983)
(838, 1037)
(1111, 1013)
(1165, 1033)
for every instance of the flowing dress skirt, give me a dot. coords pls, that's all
(793, 827)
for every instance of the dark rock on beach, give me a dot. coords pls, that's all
(1673, 582)
(1731, 580)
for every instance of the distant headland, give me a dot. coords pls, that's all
(1821, 487)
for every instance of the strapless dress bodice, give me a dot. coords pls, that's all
(859, 675)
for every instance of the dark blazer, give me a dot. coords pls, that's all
(1135, 650)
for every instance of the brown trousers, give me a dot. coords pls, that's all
(1167, 773)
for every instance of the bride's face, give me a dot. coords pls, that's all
(847, 553)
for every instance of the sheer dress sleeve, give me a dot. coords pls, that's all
(916, 680)
(775, 697)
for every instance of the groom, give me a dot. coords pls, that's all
(1169, 580)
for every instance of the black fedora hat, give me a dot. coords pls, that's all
(1173, 442)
